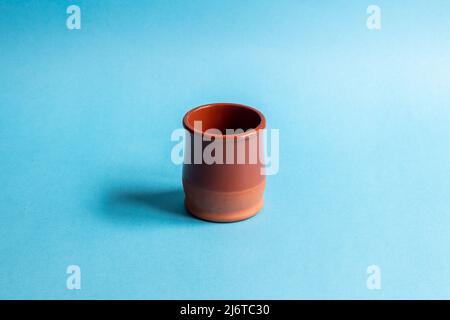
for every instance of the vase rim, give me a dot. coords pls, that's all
(189, 125)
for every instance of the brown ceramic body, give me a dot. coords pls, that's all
(224, 192)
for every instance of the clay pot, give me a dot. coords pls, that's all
(231, 189)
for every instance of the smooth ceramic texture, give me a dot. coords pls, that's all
(232, 190)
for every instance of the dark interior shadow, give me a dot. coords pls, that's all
(140, 205)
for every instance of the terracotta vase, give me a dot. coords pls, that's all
(231, 189)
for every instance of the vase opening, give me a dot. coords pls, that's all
(223, 116)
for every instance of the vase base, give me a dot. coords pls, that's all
(223, 206)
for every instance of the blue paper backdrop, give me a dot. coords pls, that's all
(85, 170)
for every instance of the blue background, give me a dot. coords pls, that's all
(85, 170)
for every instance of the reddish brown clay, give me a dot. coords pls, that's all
(232, 190)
